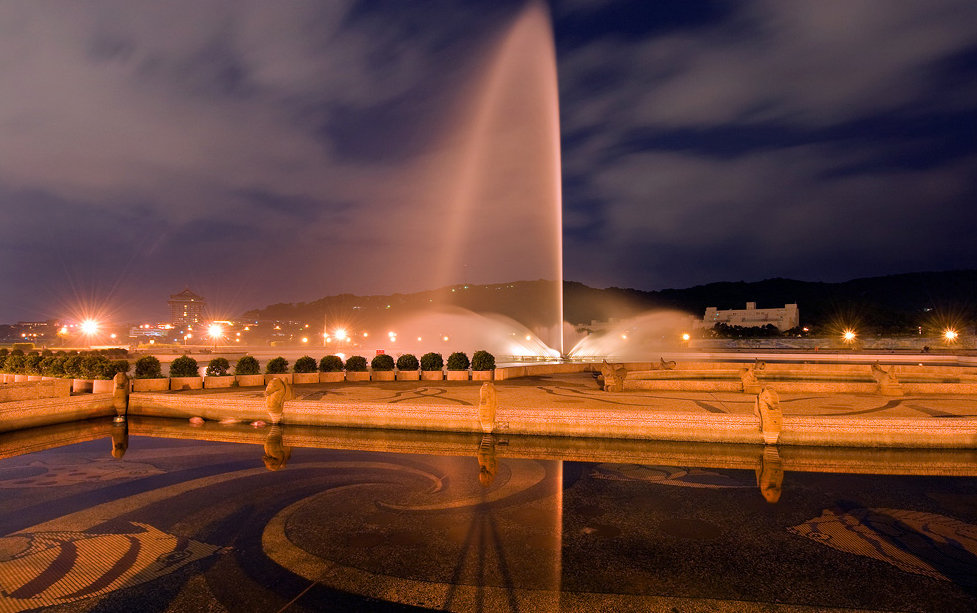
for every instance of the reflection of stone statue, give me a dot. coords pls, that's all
(488, 466)
(614, 375)
(488, 406)
(277, 392)
(669, 365)
(770, 474)
(276, 454)
(888, 384)
(120, 396)
(767, 408)
(120, 440)
(750, 383)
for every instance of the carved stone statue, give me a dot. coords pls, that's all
(888, 384)
(669, 365)
(750, 383)
(614, 375)
(277, 392)
(488, 406)
(767, 408)
(120, 395)
(488, 466)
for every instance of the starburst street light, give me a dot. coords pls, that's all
(215, 332)
(848, 336)
(950, 335)
(89, 327)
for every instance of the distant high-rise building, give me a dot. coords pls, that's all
(186, 308)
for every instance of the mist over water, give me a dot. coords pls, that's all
(638, 338)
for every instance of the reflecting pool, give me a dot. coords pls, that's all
(158, 515)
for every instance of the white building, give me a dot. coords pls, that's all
(784, 318)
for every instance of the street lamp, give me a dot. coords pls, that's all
(950, 335)
(215, 331)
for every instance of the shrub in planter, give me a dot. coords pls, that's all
(32, 364)
(147, 367)
(331, 363)
(93, 366)
(72, 367)
(16, 351)
(483, 360)
(408, 361)
(184, 366)
(247, 365)
(113, 367)
(53, 366)
(432, 361)
(305, 364)
(382, 362)
(218, 367)
(276, 366)
(356, 363)
(46, 353)
(3, 356)
(14, 364)
(458, 361)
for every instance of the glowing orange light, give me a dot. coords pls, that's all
(848, 336)
(950, 335)
(686, 336)
(89, 326)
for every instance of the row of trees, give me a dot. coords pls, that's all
(62, 366)
(149, 367)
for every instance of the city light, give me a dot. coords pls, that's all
(848, 336)
(89, 327)
(950, 335)
(686, 337)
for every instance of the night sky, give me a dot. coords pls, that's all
(267, 152)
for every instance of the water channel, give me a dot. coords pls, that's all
(157, 515)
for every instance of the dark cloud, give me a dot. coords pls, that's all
(268, 152)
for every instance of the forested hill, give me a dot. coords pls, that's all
(892, 302)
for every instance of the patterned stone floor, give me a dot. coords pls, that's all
(580, 392)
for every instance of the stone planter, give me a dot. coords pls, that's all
(357, 376)
(432, 375)
(19, 378)
(287, 376)
(150, 385)
(383, 375)
(6, 378)
(482, 375)
(408, 375)
(103, 386)
(215, 381)
(81, 385)
(192, 383)
(457, 375)
(332, 377)
(301, 378)
(34, 377)
(250, 380)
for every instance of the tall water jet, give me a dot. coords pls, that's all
(505, 218)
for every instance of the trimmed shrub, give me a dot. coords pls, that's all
(3, 356)
(382, 362)
(331, 363)
(46, 353)
(52, 366)
(93, 366)
(305, 364)
(72, 367)
(408, 361)
(32, 364)
(458, 361)
(483, 360)
(148, 367)
(218, 367)
(277, 366)
(432, 361)
(184, 366)
(356, 363)
(247, 365)
(113, 367)
(14, 364)
(17, 351)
